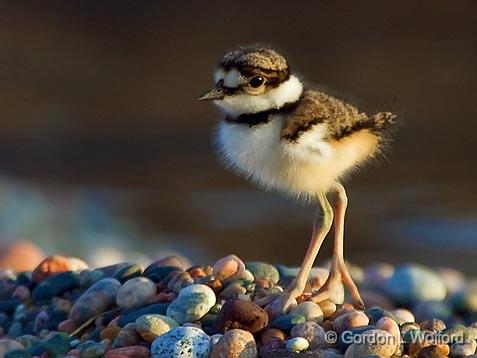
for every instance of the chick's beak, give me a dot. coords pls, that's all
(215, 93)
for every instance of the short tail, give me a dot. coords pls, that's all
(383, 121)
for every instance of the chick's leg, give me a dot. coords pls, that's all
(320, 230)
(338, 271)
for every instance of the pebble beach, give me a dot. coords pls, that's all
(64, 308)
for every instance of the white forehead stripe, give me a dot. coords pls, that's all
(232, 78)
(219, 75)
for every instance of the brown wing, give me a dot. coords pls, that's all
(341, 118)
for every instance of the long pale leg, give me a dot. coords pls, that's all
(338, 271)
(320, 230)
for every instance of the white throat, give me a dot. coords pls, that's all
(288, 92)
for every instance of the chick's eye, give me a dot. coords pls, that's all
(256, 81)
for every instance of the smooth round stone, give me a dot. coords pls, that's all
(465, 298)
(151, 326)
(375, 342)
(184, 342)
(346, 338)
(214, 339)
(432, 309)
(228, 267)
(55, 285)
(312, 332)
(403, 315)
(240, 314)
(97, 299)
(272, 333)
(387, 324)
(327, 307)
(412, 283)
(433, 325)
(434, 351)
(463, 349)
(192, 304)
(157, 273)
(90, 277)
(22, 293)
(453, 280)
(172, 261)
(110, 270)
(234, 289)
(133, 352)
(28, 340)
(56, 344)
(376, 313)
(286, 322)
(297, 344)
(180, 281)
(91, 350)
(235, 343)
(128, 336)
(350, 320)
(262, 270)
(375, 275)
(310, 310)
(18, 353)
(135, 293)
(7, 345)
(156, 308)
(128, 272)
(110, 333)
(41, 321)
(15, 330)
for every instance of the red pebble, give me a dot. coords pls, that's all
(126, 352)
(56, 264)
(67, 326)
(22, 293)
(74, 353)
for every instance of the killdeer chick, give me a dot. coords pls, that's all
(297, 140)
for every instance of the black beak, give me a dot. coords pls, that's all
(215, 93)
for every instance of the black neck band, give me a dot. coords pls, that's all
(254, 119)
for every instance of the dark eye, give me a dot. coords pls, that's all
(256, 81)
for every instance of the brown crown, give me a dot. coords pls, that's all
(258, 57)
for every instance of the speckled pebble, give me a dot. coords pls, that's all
(151, 326)
(235, 343)
(192, 304)
(184, 342)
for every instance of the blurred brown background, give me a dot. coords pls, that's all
(102, 94)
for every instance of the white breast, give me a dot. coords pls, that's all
(255, 151)
(259, 153)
